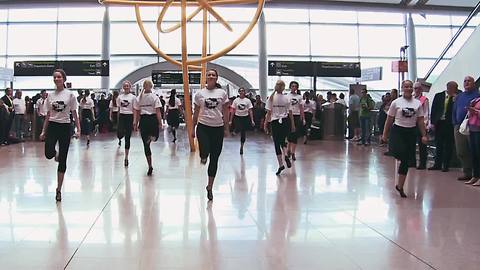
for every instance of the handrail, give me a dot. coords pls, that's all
(454, 38)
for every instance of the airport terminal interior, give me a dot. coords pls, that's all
(336, 201)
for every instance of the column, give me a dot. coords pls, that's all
(412, 49)
(105, 84)
(262, 57)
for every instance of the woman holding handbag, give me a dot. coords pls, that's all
(474, 129)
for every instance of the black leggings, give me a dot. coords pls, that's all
(308, 120)
(279, 133)
(293, 136)
(210, 143)
(148, 128)
(58, 132)
(125, 125)
(242, 124)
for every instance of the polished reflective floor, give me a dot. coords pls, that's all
(334, 209)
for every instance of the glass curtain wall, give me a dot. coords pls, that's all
(373, 38)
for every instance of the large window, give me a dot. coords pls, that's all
(32, 39)
(88, 35)
(373, 38)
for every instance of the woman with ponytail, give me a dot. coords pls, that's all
(174, 106)
(279, 114)
(149, 119)
(87, 115)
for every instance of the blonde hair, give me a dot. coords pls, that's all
(145, 83)
(278, 85)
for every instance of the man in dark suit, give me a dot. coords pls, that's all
(8, 101)
(441, 120)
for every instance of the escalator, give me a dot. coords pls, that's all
(466, 57)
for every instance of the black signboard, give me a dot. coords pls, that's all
(72, 68)
(338, 69)
(162, 77)
(291, 68)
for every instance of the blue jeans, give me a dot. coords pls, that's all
(475, 148)
(366, 128)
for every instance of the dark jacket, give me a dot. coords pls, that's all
(438, 108)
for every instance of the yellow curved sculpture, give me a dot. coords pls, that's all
(200, 63)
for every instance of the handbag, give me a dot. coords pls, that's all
(464, 129)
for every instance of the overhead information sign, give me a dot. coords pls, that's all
(290, 68)
(338, 69)
(161, 77)
(72, 68)
(314, 69)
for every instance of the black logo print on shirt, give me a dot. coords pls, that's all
(59, 106)
(294, 101)
(211, 103)
(242, 107)
(408, 112)
(124, 103)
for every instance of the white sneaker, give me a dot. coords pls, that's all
(477, 183)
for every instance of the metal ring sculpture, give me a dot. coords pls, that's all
(200, 63)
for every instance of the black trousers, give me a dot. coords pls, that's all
(58, 132)
(444, 143)
(242, 124)
(293, 136)
(148, 128)
(124, 130)
(280, 132)
(210, 144)
(308, 120)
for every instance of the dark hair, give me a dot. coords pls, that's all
(43, 91)
(87, 93)
(6, 89)
(171, 101)
(342, 96)
(217, 85)
(114, 98)
(64, 75)
(307, 97)
(293, 82)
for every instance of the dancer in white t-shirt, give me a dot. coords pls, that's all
(211, 114)
(148, 118)
(406, 114)
(242, 116)
(279, 114)
(125, 118)
(56, 127)
(173, 112)
(296, 105)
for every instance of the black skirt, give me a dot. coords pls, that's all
(173, 118)
(402, 142)
(87, 123)
(149, 126)
(242, 123)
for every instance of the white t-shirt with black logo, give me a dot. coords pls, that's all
(405, 111)
(19, 106)
(147, 104)
(296, 101)
(126, 101)
(88, 104)
(177, 104)
(279, 107)
(60, 104)
(211, 104)
(309, 107)
(242, 105)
